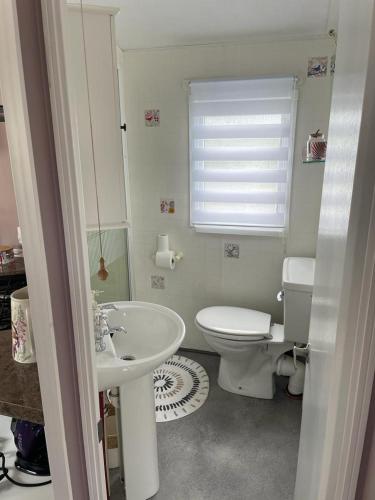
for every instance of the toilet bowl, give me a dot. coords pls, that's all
(252, 349)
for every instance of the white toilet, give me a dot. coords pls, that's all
(251, 348)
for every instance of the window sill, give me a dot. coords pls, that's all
(275, 232)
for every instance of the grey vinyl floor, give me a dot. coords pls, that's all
(232, 448)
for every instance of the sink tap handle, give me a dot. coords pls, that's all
(100, 318)
(116, 329)
(103, 326)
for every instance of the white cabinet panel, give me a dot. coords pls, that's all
(106, 146)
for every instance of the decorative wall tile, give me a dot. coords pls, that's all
(158, 282)
(152, 117)
(317, 66)
(232, 250)
(167, 206)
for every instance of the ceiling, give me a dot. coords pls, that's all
(161, 23)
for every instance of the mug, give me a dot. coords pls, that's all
(23, 349)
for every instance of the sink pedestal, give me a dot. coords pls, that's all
(154, 334)
(138, 425)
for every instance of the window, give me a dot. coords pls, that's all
(241, 153)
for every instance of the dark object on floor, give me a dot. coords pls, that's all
(4, 474)
(32, 455)
(30, 441)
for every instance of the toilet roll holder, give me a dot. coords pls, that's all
(177, 256)
(171, 256)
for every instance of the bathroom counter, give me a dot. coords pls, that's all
(12, 277)
(19, 387)
(13, 268)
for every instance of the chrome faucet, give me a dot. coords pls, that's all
(108, 307)
(102, 328)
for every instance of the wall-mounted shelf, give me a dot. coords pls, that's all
(312, 161)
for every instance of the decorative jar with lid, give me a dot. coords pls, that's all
(316, 146)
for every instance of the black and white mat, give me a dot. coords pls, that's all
(181, 387)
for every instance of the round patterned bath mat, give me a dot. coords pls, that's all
(181, 387)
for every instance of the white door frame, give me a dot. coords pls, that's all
(340, 377)
(122, 117)
(23, 170)
(86, 410)
(67, 154)
(348, 444)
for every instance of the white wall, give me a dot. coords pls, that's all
(159, 167)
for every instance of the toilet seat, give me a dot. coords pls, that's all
(235, 323)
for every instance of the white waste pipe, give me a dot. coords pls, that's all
(296, 374)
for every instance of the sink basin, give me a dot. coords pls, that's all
(154, 333)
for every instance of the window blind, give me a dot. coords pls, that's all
(241, 151)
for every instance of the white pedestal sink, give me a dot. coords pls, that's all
(154, 333)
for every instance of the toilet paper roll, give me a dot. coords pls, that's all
(165, 259)
(163, 243)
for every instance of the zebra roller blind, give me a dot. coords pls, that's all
(241, 151)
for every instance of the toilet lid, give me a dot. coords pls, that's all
(235, 321)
